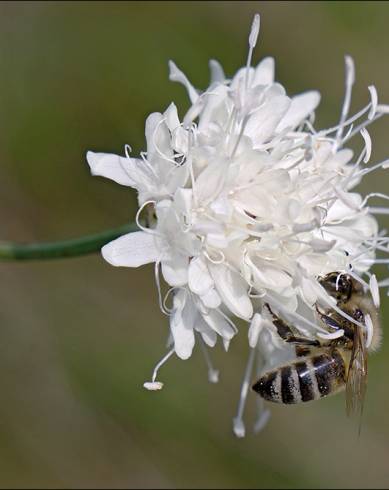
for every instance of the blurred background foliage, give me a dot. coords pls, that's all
(78, 337)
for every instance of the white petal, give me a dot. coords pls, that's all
(222, 207)
(193, 112)
(274, 351)
(204, 226)
(179, 141)
(209, 336)
(256, 326)
(171, 115)
(308, 290)
(232, 290)
(190, 313)
(112, 167)
(238, 80)
(313, 263)
(210, 182)
(354, 229)
(176, 177)
(182, 331)
(287, 298)
(264, 72)
(213, 109)
(217, 73)
(302, 105)
(217, 240)
(271, 276)
(183, 203)
(350, 199)
(158, 138)
(263, 122)
(199, 278)
(287, 210)
(219, 324)
(252, 162)
(176, 75)
(340, 158)
(211, 299)
(175, 270)
(344, 207)
(321, 246)
(131, 250)
(257, 200)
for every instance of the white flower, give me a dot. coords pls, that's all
(252, 205)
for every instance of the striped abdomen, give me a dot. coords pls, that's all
(305, 379)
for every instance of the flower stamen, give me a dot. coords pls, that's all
(350, 79)
(213, 374)
(154, 385)
(238, 424)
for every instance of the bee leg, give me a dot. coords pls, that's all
(286, 333)
(329, 322)
(302, 350)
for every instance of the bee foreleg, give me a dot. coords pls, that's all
(286, 332)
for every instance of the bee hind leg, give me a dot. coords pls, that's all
(285, 331)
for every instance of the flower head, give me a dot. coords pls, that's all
(251, 205)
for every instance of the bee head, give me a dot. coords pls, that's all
(338, 285)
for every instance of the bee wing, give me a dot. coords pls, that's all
(357, 375)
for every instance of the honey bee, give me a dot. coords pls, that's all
(326, 367)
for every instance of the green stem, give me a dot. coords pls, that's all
(67, 248)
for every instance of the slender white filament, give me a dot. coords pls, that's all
(160, 364)
(238, 424)
(155, 385)
(350, 78)
(213, 374)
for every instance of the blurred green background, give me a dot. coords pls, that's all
(78, 337)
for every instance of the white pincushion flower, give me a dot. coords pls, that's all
(252, 205)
